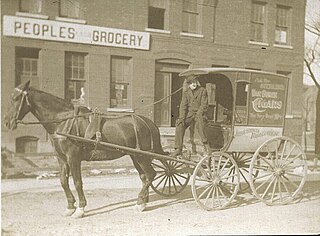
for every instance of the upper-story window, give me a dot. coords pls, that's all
(258, 22)
(158, 14)
(27, 66)
(31, 6)
(283, 22)
(120, 91)
(70, 9)
(74, 75)
(190, 16)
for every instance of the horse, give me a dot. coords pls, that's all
(58, 115)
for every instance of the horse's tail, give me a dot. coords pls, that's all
(154, 135)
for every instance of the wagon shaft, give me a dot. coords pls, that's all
(127, 150)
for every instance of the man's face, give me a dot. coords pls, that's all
(193, 85)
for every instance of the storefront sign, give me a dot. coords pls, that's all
(267, 100)
(75, 33)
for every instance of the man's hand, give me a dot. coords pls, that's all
(180, 121)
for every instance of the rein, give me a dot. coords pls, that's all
(25, 97)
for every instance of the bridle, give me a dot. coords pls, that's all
(24, 95)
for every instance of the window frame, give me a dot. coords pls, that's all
(67, 6)
(32, 5)
(74, 80)
(253, 22)
(126, 81)
(286, 10)
(189, 13)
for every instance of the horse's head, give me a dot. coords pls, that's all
(19, 106)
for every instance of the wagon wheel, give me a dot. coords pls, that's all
(213, 187)
(243, 162)
(172, 177)
(282, 171)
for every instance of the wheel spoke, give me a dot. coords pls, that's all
(297, 156)
(174, 176)
(290, 182)
(203, 180)
(161, 167)
(160, 182)
(229, 176)
(283, 149)
(174, 183)
(165, 183)
(207, 197)
(169, 178)
(285, 186)
(222, 193)
(265, 192)
(223, 174)
(204, 191)
(219, 163)
(224, 165)
(203, 186)
(262, 176)
(184, 177)
(273, 191)
(288, 173)
(265, 160)
(289, 154)
(218, 197)
(263, 183)
(279, 188)
(243, 177)
(159, 176)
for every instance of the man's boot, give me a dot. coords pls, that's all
(176, 153)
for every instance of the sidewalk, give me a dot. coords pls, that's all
(47, 167)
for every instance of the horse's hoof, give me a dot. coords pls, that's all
(141, 207)
(69, 212)
(79, 213)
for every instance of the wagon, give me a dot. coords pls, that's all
(246, 120)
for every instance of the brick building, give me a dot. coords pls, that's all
(123, 55)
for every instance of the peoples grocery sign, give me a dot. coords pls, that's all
(75, 33)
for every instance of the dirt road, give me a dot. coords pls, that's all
(34, 207)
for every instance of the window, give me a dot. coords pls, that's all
(27, 66)
(31, 6)
(283, 22)
(120, 93)
(27, 144)
(70, 8)
(190, 16)
(157, 14)
(258, 16)
(74, 75)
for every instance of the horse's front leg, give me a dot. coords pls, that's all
(64, 180)
(75, 167)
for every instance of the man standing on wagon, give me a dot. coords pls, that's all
(193, 106)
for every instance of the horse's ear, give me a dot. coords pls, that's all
(26, 86)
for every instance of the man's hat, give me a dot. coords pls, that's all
(191, 78)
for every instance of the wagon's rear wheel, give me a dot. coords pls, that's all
(213, 187)
(172, 177)
(282, 171)
(243, 160)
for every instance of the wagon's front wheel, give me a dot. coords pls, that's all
(282, 171)
(172, 177)
(213, 187)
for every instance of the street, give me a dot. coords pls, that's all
(34, 207)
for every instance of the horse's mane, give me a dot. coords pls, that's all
(56, 103)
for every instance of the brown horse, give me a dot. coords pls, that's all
(56, 114)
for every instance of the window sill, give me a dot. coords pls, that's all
(157, 31)
(129, 110)
(258, 43)
(32, 15)
(192, 35)
(282, 46)
(71, 20)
